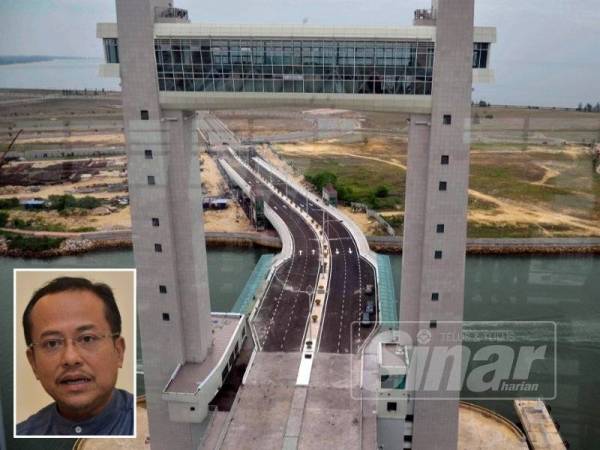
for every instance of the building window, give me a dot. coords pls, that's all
(166, 317)
(162, 289)
(439, 228)
(157, 248)
(437, 254)
(480, 55)
(443, 186)
(409, 418)
(151, 180)
(148, 154)
(392, 406)
(155, 222)
(445, 160)
(433, 324)
(408, 438)
(289, 66)
(447, 119)
(192, 408)
(111, 50)
(435, 296)
(144, 114)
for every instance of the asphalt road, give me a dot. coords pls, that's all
(350, 274)
(283, 313)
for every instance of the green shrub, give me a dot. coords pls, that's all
(382, 191)
(320, 179)
(9, 203)
(88, 202)
(65, 202)
(21, 224)
(30, 243)
(3, 218)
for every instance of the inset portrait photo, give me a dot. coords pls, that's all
(74, 353)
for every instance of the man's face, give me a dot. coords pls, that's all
(80, 380)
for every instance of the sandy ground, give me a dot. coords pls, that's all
(232, 219)
(212, 181)
(87, 139)
(506, 212)
(368, 225)
(267, 154)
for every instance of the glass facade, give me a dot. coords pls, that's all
(111, 50)
(302, 66)
(480, 55)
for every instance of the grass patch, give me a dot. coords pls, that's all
(357, 179)
(479, 230)
(509, 182)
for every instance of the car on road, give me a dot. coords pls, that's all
(370, 307)
(365, 320)
(369, 289)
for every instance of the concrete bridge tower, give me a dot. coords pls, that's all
(168, 234)
(433, 264)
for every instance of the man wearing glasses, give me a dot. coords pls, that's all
(75, 348)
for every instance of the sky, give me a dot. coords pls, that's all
(547, 50)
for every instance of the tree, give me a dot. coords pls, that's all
(88, 202)
(382, 191)
(588, 107)
(580, 107)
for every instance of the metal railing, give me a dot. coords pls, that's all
(424, 14)
(171, 13)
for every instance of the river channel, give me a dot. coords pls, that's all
(563, 289)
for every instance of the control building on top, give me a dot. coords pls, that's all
(169, 68)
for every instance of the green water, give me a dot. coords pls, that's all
(558, 288)
(563, 289)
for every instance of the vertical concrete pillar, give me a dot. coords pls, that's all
(435, 232)
(414, 221)
(168, 235)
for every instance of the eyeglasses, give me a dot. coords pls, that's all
(88, 342)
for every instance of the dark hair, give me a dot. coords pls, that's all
(62, 284)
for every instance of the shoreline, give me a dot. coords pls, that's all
(82, 243)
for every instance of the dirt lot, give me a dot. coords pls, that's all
(531, 170)
(232, 219)
(532, 184)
